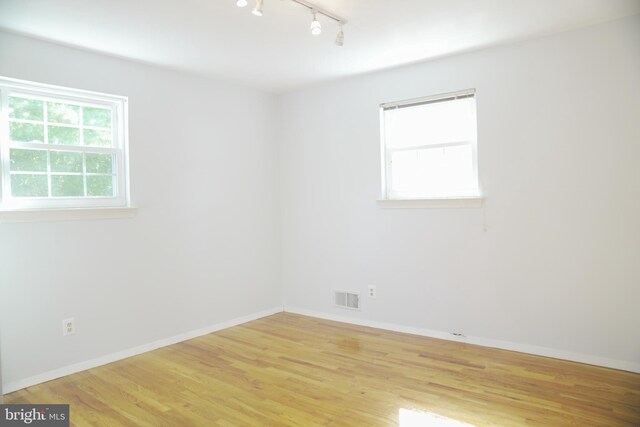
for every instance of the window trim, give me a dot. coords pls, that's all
(395, 200)
(66, 214)
(120, 148)
(453, 203)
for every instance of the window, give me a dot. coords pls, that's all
(429, 147)
(61, 148)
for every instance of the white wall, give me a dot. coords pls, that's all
(203, 249)
(553, 259)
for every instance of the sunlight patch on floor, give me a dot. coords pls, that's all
(412, 418)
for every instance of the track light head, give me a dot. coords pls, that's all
(340, 36)
(316, 28)
(258, 9)
(242, 3)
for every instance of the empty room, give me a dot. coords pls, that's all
(319, 213)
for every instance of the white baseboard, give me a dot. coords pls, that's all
(486, 342)
(113, 357)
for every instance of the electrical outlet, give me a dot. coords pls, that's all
(372, 291)
(68, 326)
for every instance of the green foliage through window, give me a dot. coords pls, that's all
(25, 185)
(99, 117)
(26, 132)
(99, 185)
(66, 161)
(67, 186)
(64, 135)
(25, 108)
(64, 145)
(28, 160)
(99, 163)
(63, 113)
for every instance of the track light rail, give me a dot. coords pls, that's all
(316, 26)
(320, 11)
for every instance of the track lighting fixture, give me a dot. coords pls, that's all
(316, 27)
(258, 9)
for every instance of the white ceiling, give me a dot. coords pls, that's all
(276, 52)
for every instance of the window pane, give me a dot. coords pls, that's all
(64, 135)
(97, 138)
(63, 113)
(28, 160)
(26, 132)
(434, 172)
(25, 108)
(66, 161)
(99, 163)
(100, 117)
(67, 185)
(100, 186)
(29, 185)
(428, 124)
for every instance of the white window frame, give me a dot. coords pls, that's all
(119, 127)
(393, 199)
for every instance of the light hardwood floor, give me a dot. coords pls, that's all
(294, 370)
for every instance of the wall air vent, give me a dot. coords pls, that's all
(344, 299)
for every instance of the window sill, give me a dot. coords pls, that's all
(453, 203)
(48, 215)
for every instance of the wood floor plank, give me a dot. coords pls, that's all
(291, 370)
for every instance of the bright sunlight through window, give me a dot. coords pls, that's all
(429, 147)
(61, 148)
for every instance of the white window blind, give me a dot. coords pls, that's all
(429, 147)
